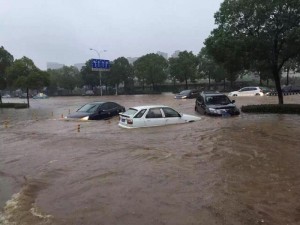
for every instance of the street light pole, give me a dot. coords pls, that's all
(99, 69)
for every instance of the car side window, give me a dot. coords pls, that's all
(112, 105)
(104, 106)
(154, 113)
(170, 112)
(140, 113)
(200, 99)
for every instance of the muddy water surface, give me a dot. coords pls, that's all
(241, 170)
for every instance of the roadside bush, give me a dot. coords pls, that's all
(272, 108)
(14, 105)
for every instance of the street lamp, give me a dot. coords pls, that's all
(99, 68)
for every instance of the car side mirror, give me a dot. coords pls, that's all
(233, 101)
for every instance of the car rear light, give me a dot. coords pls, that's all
(129, 121)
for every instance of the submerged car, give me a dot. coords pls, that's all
(187, 94)
(6, 96)
(40, 96)
(153, 115)
(248, 91)
(215, 104)
(97, 111)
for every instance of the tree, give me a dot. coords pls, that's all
(151, 68)
(184, 67)
(120, 71)
(6, 59)
(292, 64)
(89, 77)
(24, 74)
(208, 68)
(267, 31)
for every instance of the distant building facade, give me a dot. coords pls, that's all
(54, 65)
(163, 54)
(175, 54)
(131, 60)
(79, 65)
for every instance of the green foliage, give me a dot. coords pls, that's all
(255, 32)
(184, 67)
(24, 74)
(88, 76)
(151, 68)
(272, 108)
(6, 59)
(120, 71)
(208, 68)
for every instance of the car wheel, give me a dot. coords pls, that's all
(257, 94)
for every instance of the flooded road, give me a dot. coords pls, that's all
(241, 170)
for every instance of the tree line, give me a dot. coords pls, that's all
(252, 36)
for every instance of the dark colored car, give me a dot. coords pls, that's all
(215, 104)
(290, 88)
(187, 94)
(97, 111)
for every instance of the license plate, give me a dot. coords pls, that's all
(123, 120)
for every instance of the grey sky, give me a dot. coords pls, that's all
(63, 30)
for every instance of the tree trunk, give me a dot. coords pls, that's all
(224, 84)
(208, 81)
(27, 97)
(278, 86)
(287, 76)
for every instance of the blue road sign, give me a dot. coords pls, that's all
(100, 64)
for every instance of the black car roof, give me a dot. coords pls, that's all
(210, 93)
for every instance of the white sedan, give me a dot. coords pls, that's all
(247, 91)
(153, 115)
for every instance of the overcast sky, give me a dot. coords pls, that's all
(63, 31)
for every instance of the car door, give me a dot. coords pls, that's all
(244, 92)
(200, 105)
(154, 117)
(113, 109)
(172, 116)
(104, 111)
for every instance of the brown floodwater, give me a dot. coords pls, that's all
(240, 170)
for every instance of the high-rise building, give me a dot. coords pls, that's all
(163, 54)
(175, 54)
(131, 60)
(54, 65)
(79, 65)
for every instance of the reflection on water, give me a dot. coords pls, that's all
(241, 170)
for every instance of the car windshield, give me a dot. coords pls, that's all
(130, 112)
(89, 108)
(217, 100)
(186, 92)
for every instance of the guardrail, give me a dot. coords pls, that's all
(283, 93)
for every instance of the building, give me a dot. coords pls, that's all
(163, 54)
(131, 60)
(54, 65)
(175, 54)
(79, 65)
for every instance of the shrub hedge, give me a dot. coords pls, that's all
(272, 108)
(14, 105)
